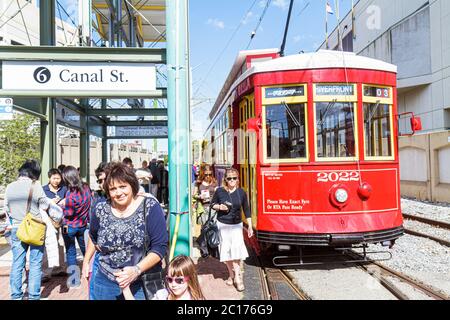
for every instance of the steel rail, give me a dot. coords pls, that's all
(273, 275)
(425, 288)
(424, 235)
(436, 223)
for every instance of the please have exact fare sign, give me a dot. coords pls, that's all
(86, 76)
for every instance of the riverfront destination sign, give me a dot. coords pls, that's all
(85, 76)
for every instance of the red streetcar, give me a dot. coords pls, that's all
(314, 137)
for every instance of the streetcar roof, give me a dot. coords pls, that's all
(321, 59)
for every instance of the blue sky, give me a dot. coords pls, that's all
(213, 22)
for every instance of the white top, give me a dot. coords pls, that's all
(322, 59)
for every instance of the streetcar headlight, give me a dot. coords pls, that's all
(341, 195)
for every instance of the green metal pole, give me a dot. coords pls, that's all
(178, 122)
(84, 149)
(48, 139)
(48, 127)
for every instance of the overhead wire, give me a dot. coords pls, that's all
(259, 23)
(15, 14)
(24, 23)
(225, 48)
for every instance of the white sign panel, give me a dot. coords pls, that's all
(142, 131)
(6, 109)
(72, 76)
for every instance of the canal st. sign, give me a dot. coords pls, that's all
(85, 76)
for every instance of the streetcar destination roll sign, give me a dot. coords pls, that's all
(84, 76)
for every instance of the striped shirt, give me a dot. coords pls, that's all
(76, 210)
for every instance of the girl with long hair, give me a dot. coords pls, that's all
(181, 281)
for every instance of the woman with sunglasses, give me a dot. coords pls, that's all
(181, 281)
(228, 201)
(204, 190)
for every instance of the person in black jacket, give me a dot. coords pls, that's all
(228, 202)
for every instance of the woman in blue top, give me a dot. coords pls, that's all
(117, 229)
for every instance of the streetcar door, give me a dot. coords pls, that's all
(247, 151)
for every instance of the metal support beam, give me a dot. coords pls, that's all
(84, 149)
(48, 139)
(178, 119)
(48, 126)
(88, 54)
(135, 137)
(146, 123)
(128, 112)
(47, 23)
(105, 145)
(118, 22)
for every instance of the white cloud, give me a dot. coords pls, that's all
(247, 18)
(262, 3)
(216, 23)
(297, 39)
(281, 4)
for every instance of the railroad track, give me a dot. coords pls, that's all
(431, 222)
(435, 223)
(278, 285)
(382, 273)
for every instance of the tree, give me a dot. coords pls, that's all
(19, 140)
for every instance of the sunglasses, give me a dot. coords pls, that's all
(178, 280)
(232, 178)
(208, 174)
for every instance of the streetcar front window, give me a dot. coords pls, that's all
(285, 131)
(378, 131)
(335, 129)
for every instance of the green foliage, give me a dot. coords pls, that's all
(19, 140)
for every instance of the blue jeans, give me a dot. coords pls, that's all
(91, 280)
(105, 289)
(69, 242)
(19, 251)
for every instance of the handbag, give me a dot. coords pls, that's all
(31, 230)
(151, 281)
(210, 231)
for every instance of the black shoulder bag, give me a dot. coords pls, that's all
(152, 281)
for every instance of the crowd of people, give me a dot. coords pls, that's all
(120, 229)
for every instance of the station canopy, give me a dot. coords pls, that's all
(150, 18)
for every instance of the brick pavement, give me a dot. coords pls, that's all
(212, 276)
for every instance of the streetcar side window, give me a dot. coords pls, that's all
(377, 114)
(285, 131)
(335, 129)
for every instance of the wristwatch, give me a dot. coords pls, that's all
(137, 270)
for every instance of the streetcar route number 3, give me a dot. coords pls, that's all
(338, 176)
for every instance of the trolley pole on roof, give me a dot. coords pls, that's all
(286, 28)
(178, 123)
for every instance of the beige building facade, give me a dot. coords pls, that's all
(412, 34)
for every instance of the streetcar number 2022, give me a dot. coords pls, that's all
(342, 176)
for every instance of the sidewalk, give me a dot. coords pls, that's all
(212, 276)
